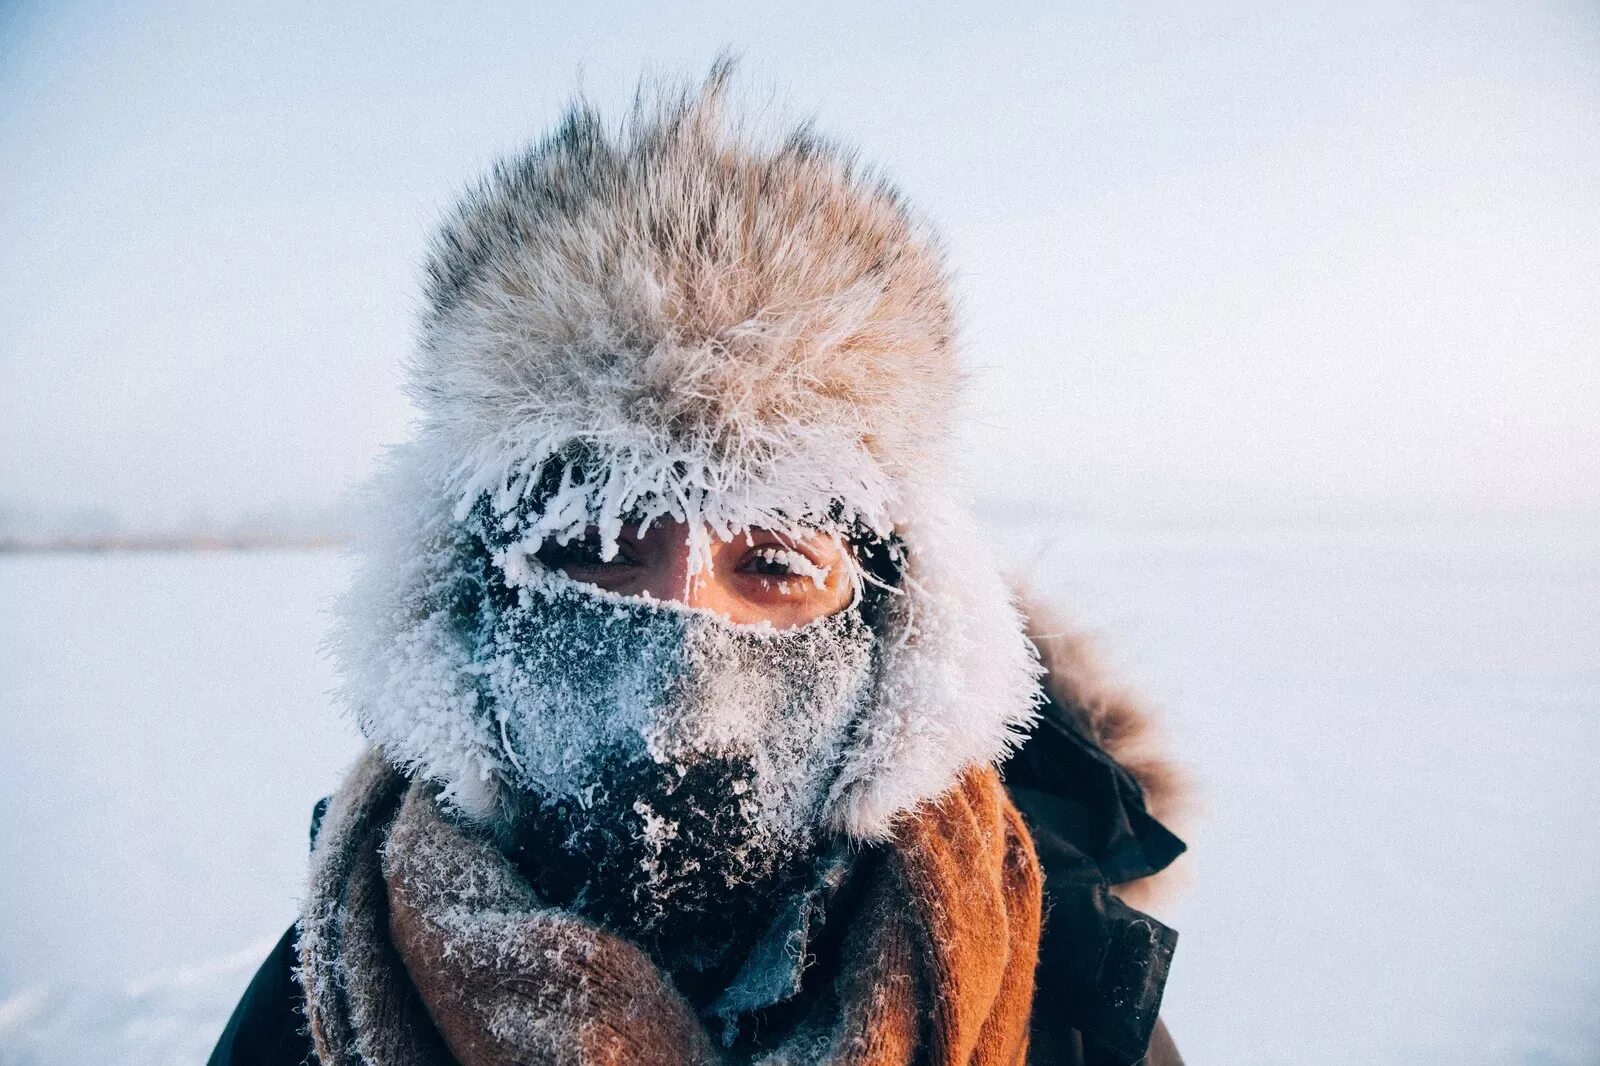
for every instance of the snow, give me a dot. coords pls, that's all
(163, 736)
(1398, 734)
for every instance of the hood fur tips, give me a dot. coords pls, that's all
(682, 318)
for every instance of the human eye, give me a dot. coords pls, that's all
(583, 553)
(783, 563)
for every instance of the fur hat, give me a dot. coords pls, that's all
(684, 318)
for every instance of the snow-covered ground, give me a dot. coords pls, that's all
(1398, 736)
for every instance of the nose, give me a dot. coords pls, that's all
(670, 578)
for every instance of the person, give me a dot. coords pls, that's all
(703, 726)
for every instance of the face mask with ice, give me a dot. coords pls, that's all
(674, 763)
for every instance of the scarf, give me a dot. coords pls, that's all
(422, 944)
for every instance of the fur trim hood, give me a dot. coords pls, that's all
(685, 318)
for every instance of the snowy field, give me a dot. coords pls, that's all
(1398, 737)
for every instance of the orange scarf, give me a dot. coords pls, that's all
(422, 944)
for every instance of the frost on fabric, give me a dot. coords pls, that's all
(577, 677)
(680, 762)
(501, 971)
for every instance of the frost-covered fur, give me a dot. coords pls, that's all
(729, 326)
(686, 318)
(681, 761)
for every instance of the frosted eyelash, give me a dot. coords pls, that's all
(797, 562)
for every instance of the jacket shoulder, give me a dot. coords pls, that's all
(1088, 783)
(268, 1027)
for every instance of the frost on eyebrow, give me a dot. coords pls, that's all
(557, 485)
(515, 538)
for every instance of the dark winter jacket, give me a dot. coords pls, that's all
(1087, 785)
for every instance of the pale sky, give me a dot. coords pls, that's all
(1218, 262)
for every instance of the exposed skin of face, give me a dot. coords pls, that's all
(758, 576)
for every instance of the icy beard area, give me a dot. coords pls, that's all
(673, 764)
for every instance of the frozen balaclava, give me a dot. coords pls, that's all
(674, 764)
(686, 318)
